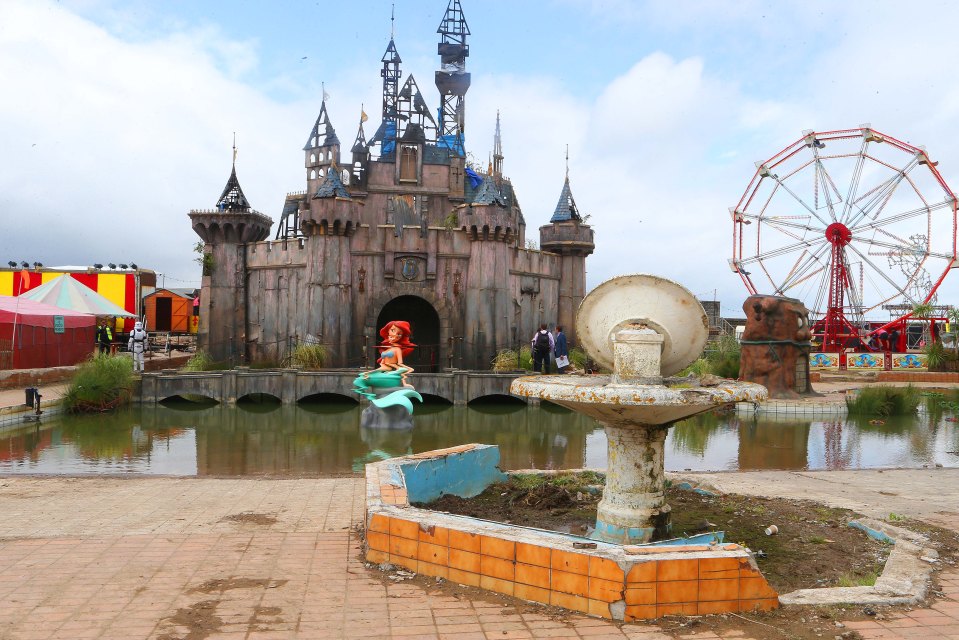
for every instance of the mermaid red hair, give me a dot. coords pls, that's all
(404, 342)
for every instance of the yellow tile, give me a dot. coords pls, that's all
(495, 584)
(605, 569)
(464, 561)
(464, 577)
(465, 541)
(532, 575)
(435, 535)
(572, 583)
(570, 562)
(532, 554)
(404, 529)
(605, 590)
(497, 568)
(670, 570)
(432, 553)
(677, 591)
(531, 593)
(498, 548)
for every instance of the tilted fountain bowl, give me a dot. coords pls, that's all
(642, 327)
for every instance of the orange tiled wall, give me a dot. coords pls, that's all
(651, 588)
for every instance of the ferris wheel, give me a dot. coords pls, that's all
(856, 224)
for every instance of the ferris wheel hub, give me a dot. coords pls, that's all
(838, 234)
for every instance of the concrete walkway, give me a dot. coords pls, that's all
(165, 558)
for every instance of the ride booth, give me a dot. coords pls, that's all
(895, 347)
(34, 335)
(169, 310)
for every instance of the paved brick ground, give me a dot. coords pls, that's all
(166, 558)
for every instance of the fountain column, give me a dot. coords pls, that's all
(633, 509)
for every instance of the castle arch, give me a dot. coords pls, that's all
(425, 323)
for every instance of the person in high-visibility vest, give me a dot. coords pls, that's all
(104, 336)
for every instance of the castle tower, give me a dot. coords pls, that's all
(567, 235)
(322, 149)
(361, 156)
(451, 79)
(329, 224)
(226, 231)
(386, 134)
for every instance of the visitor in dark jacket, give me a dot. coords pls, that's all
(543, 345)
(560, 348)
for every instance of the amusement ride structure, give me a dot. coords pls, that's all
(858, 225)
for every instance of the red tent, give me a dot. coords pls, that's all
(46, 336)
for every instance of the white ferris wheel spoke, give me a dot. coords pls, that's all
(854, 183)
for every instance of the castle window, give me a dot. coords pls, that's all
(312, 158)
(345, 176)
(322, 173)
(321, 156)
(408, 164)
(312, 174)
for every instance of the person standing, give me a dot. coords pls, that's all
(560, 349)
(543, 345)
(138, 346)
(104, 336)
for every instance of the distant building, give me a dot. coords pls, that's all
(404, 229)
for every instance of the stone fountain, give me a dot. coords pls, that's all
(644, 329)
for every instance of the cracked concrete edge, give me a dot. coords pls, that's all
(905, 577)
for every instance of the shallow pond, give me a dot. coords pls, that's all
(318, 439)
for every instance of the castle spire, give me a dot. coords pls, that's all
(497, 150)
(566, 208)
(323, 134)
(359, 145)
(451, 79)
(386, 134)
(232, 198)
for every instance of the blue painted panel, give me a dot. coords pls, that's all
(463, 474)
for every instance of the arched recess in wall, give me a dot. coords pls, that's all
(447, 325)
(425, 323)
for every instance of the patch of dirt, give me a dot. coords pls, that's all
(220, 585)
(199, 620)
(265, 519)
(813, 548)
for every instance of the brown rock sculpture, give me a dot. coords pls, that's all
(775, 345)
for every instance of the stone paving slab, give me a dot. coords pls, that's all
(230, 559)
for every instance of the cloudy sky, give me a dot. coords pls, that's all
(117, 118)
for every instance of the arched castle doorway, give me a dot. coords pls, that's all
(425, 323)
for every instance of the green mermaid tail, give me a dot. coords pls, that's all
(364, 386)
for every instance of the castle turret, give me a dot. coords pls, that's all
(567, 235)
(361, 156)
(226, 231)
(451, 79)
(322, 149)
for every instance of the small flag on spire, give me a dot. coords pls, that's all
(363, 116)
(326, 96)
(234, 147)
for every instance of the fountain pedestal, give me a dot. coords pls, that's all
(633, 508)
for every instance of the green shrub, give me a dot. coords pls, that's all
(508, 360)
(199, 361)
(884, 401)
(309, 356)
(100, 384)
(721, 358)
(936, 355)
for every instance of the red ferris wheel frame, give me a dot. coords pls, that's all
(833, 326)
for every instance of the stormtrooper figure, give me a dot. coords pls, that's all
(138, 345)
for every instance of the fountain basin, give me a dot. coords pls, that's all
(640, 405)
(636, 418)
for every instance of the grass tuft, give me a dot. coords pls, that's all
(884, 401)
(100, 384)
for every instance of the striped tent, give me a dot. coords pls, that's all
(67, 293)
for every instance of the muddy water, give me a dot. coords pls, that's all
(306, 440)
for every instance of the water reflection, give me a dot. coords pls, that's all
(272, 439)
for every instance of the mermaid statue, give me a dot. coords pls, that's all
(387, 385)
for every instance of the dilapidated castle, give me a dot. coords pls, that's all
(400, 229)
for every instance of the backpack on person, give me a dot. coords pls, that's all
(542, 342)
